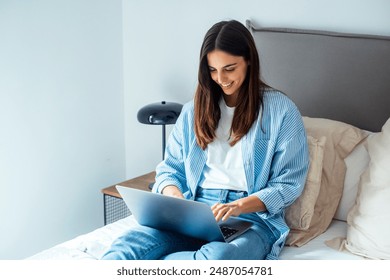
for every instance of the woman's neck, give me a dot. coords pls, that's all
(230, 100)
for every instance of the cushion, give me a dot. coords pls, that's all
(356, 163)
(368, 221)
(341, 139)
(299, 214)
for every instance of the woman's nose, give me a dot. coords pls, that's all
(221, 78)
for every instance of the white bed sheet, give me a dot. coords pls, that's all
(92, 245)
(316, 249)
(87, 246)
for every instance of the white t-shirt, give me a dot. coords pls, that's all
(224, 167)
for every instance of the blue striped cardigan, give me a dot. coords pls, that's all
(276, 160)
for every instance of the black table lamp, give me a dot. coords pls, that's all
(160, 113)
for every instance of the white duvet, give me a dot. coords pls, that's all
(92, 245)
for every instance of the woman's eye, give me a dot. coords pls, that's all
(229, 69)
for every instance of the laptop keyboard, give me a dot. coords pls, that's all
(228, 231)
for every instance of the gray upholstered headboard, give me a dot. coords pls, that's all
(343, 77)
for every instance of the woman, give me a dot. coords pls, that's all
(239, 146)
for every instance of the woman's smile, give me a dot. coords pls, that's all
(226, 85)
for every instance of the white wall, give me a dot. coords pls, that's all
(61, 119)
(162, 40)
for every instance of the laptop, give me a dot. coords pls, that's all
(184, 216)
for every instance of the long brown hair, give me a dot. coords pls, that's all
(234, 38)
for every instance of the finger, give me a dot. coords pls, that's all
(227, 214)
(215, 205)
(218, 216)
(219, 213)
(217, 208)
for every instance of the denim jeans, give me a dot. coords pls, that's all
(144, 243)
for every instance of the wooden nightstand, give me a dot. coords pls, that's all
(114, 207)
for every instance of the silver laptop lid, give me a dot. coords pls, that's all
(187, 217)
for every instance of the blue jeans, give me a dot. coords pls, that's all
(144, 243)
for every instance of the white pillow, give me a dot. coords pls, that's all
(368, 221)
(356, 163)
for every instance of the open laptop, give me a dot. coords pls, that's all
(184, 216)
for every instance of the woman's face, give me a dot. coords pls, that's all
(229, 72)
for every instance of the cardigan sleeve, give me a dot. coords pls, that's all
(287, 177)
(288, 167)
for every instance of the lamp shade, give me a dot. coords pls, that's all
(160, 113)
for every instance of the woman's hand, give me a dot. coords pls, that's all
(224, 211)
(236, 208)
(172, 191)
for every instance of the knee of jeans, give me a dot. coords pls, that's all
(129, 243)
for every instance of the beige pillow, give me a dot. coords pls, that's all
(299, 214)
(368, 221)
(341, 138)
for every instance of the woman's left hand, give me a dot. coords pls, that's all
(244, 205)
(224, 211)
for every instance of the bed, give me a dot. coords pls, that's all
(340, 84)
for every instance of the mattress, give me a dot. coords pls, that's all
(93, 244)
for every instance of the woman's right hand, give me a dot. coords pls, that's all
(172, 190)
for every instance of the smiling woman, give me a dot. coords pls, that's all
(231, 149)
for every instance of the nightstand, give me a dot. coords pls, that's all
(114, 207)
